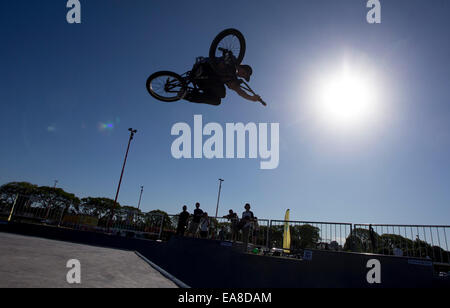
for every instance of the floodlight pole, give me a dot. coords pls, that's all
(132, 132)
(218, 197)
(140, 196)
(217, 207)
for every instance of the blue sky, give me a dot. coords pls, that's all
(59, 82)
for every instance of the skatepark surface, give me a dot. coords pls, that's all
(31, 262)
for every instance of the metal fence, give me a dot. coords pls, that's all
(31, 209)
(5, 209)
(310, 234)
(422, 241)
(221, 228)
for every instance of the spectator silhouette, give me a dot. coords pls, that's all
(204, 225)
(198, 213)
(222, 234)
(183, 218)
(234, 219)
(246, 224)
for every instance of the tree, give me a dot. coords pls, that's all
(128, 215)
(9, 191)
(101, 208)
(304, 236)
(276, 236)
(154, 218)
(389, 242)
(131, 209)
(153, 223)
(52, 197)
(360, 241)
(55, 200)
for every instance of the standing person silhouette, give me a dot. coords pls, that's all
(204, 225)
(183, 218)
(246, 224)
(234, 219)
(198, 213)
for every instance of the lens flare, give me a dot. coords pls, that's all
(105, 127)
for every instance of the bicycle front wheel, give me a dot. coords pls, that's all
(166, 86)
(229, 40)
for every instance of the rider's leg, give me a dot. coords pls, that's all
(212, 94)
(203, 98)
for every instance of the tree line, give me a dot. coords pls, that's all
(361, 240)
(54, 198)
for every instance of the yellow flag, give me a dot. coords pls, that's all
(287, 234)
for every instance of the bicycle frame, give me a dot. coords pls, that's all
(188, 80)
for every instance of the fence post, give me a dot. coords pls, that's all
(161, 227)
(268, 233)
(13, 208)
(61, 216)
(351, 238)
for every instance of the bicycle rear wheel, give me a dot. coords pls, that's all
(229, 40)
(166, 86)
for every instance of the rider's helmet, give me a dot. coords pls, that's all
(245, 71)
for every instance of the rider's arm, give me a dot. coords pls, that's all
(235, 86)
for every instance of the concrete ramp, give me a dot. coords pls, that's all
(184, 258)
(30, 262)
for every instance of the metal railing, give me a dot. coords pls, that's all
(310, 234)
(150, 224)
(221, 228)
(5, 209)
(34, 209)
(30, 209)
(421, 241)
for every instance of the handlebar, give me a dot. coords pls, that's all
(247, 87)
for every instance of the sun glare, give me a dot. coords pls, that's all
(347, 98)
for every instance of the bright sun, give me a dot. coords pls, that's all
(347, 98)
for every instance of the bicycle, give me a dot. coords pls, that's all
(168, 86)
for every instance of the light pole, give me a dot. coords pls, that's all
(140, 196)
(217, 207)
(218, 196)
(132, 132)
(56, 182)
